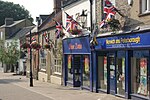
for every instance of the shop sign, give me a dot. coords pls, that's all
(76, 45)
(124, 41)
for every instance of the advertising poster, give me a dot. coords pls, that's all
(143, 66)
(105, 63)
(105, 70)
(143, 85)
(86, 64)
(123, 73)
(143, 77)
(69, 61)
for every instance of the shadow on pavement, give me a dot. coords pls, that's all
(7, 81)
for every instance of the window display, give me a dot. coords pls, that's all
(102, 72)
(120, 72)
(121, 76)
(70, 69)
(142, 89)
(86, 71)
(139, 78)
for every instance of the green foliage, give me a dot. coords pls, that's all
(114, 24)
(11, 54)
(11, 10)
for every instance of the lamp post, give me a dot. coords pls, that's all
(31, 78)
(91, 3)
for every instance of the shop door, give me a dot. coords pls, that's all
(112, 71)
(77, 71)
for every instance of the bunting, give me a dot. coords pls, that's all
(47, 39)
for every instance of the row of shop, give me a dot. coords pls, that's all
(118, 65)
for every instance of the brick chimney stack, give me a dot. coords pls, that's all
(9, 21)
(57, 6)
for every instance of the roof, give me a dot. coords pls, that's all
(68, 2)
(43, 17)
(47, 20)
(22, 32)
(15, 23)
(49, 23)
(33, 31)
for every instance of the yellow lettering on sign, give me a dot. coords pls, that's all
(124, 40)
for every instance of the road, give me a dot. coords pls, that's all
(10, 91)
(16, 87)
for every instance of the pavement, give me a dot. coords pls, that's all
(53, 91)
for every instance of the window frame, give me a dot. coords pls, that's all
(43, 64)
(144, 10)
(57, 66)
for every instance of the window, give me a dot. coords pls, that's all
(58, 66)
(102, 72)
(86, 71)
(1, 35)
(70, 68)
(43, 64)
(120, 72)
(139, 66)
(145, 6)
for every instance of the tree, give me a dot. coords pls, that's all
(10, 55)
(11, 10)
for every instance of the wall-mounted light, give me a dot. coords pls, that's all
(83, 18)
(130, 2)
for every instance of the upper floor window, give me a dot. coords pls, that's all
(1, 35)
(145, 6)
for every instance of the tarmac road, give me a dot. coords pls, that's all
(9, 91)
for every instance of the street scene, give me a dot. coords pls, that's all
(74, 49)
(16, 87)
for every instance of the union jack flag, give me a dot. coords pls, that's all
(58, 29)
(109, 10)
(68, 22)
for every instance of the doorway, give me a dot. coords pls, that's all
(112, 72)
(77, 71)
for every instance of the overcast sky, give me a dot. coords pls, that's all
(35, 7)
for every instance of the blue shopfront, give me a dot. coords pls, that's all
(77, 62)
(121, 65)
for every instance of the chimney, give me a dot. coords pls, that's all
(57, 6)
(9, 21)
(38, 21)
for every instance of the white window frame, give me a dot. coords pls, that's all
(1, 35)
(58, 66)
(43, 64)
(145, 6)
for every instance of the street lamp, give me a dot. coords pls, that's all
(31, 78)
(83, 18)
(91, 14)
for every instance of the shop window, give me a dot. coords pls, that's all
(70, 68)
(58, 66)
(145, 6)
(139, 66)
(102, 72)
(86, 71)
(120, 72)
